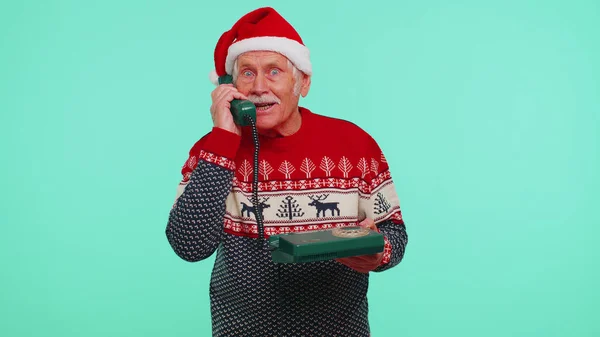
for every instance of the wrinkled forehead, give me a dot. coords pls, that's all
(262, 58)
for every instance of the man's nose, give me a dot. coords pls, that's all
(260, 85)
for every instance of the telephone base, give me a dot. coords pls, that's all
(322, 245)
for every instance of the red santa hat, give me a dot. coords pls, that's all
(262, 29)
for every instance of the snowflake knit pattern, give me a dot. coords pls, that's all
(329, 174)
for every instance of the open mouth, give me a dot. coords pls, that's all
(262, 107)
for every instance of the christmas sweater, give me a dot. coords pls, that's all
(328, 174)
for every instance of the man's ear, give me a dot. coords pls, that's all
(305, 85)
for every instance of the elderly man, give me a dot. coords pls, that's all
(315, 172)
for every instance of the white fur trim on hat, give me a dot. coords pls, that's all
(214, 78)
(293, 50)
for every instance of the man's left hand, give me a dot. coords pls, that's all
(363, 263)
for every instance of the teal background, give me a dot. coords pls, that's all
(488, 113)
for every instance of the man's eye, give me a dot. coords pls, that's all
(247, 73)
(274, 72)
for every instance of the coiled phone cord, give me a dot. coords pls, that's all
(257, 206)
(241, 108)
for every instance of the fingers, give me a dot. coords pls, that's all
(226, 92)
(218, 90)
(221, 105)
(359, 267)
(223, 93)
(361, 258)
(222, 97)
(368, 223)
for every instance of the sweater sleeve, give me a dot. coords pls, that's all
(396, 239)
(195, 225)
(382, 204)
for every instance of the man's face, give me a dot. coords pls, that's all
(267, 80)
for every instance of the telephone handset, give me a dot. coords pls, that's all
(244, 114)
(240, 109)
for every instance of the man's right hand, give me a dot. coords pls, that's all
(221, 103)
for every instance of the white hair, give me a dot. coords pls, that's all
(296, 73)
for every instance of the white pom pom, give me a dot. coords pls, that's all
(214, 78)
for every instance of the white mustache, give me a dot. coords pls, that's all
(263, 99)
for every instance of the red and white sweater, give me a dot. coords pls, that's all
(330, 173)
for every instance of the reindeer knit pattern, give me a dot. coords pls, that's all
(329, 174)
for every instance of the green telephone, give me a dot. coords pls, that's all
(322, 245)
(240, 109)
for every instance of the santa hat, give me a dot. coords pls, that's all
(262, 29)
